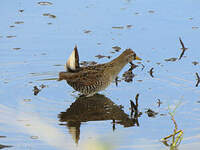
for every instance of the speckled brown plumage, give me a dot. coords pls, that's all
(92, 79)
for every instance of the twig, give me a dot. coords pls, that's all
(176, 140)
(151, 72)
(136, 99)
(159, 102)
(198, 79)
(134, 106)
(183, 48)
(167, 137)
(175, 128)
(133, 66)
(116, 81)
(143, 66)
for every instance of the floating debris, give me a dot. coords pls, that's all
(151, 113)
(27, 100)
(198, 79)
(159, 102)
(43, 86)
(58, 65)
(49, 15)
(195, 63)
(87, 31)
(112, 52)
(98, 43)
(19, 22)
(88, 63)
(198, 101)
(36, 90)
(119, 27)
(139, 80)
(129, 26)
(163, 114)
(171, 59)
(11, 36)
(21, 10)
(45, 3)
(183, 48)
(34, 137)
(49, 23)
(151, 11)
(116, 48)
(2, 136)
(12, 26)
(195, 28)
(101, 56)
(16, 48)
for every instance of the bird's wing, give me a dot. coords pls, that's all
(84, 78)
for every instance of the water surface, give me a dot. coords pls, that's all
(36, 40)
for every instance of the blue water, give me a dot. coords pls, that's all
(31, 122)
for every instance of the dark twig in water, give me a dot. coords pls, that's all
(151, 72)
(143, 66)
(151, 113)
(136, 99)
(183, 48)
(36, 90)
(134, 108)
(116, 81)
(133, 66)
(113, 125)
(159, 102)
(198, 79)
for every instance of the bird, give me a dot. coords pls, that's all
(90, 80)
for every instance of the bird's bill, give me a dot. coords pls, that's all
(137, 58)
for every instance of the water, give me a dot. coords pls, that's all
(41, 47)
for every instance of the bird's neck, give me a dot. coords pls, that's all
(118, 63)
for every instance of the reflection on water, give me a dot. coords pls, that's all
(95, 108)
(4, 146)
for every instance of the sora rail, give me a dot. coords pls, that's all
(92, 79)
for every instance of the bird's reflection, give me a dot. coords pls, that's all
(95, 108)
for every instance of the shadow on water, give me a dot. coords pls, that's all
(95, 108)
